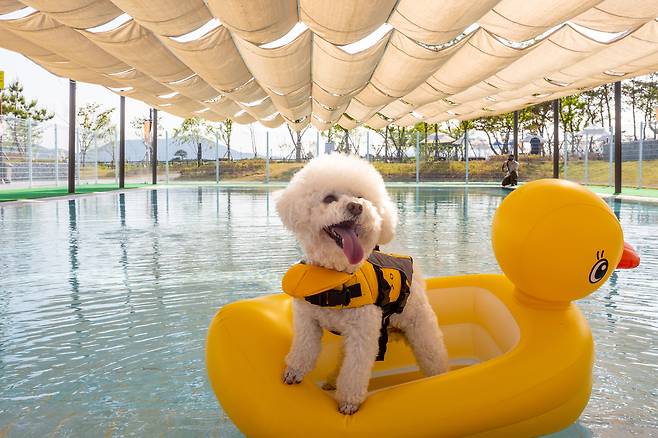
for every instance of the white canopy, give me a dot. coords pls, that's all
(348, 62)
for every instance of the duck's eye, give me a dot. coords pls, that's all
(329, 199)
(598, 271)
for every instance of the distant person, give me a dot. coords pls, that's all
(511, 166)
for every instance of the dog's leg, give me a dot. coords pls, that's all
(426, 340)
(306, 345)
(360, 350)
(420, 327)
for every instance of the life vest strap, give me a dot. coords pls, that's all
(335, 297)
(389, 308)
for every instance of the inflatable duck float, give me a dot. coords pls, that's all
(521, 351)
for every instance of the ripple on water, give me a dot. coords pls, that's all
(105, 302)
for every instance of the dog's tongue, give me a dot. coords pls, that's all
(351, 246)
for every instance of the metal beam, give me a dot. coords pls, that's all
(556, 139)
(122, 141)
(71, 175)
(154, 147)
(516, 135)
(617, 137)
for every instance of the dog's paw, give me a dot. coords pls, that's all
(348, 408)
(328, 386)
(292, 377)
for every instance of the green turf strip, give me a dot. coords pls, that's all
(47, 192)
(647, 193)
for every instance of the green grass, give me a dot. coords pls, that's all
(47, 192)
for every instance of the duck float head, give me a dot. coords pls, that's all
(557, 242)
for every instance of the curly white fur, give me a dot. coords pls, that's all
(303, 210)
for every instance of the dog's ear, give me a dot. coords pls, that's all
(389, 221)
(283, 200)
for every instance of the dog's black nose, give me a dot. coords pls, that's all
(354, 208)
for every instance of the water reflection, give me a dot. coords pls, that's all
(105, 303)
(73, 258)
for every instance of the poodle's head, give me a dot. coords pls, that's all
(338, 208)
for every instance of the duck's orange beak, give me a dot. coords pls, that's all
(629, 259)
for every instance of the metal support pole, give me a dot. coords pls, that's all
(639, 164)
(586, 164)
(516, 135)
(56, 157)
(317, 144)
(96, 157)
(122, 141)
(368, 145)
(466, 151)
(29, 151)
(617, 137)
(71, 175)
(556, 142)
(610, 155)
(267, 157)
(417, 157)
(78, 168)
(154, 148)
(115, 150)
(566, 154)
(167, 158)
(216, 159)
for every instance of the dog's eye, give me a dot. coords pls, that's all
(329, 199)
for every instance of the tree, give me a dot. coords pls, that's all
(192, 130)
(296, 137)
(224, 130)
(95, 126)
(181, 154)
(19, 110)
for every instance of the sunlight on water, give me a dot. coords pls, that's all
(105, 302)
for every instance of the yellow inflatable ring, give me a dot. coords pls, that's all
(521, 358)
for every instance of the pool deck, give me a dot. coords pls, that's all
(34, 194)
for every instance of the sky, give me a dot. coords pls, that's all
(52, 92)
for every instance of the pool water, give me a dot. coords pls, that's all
(105, 301)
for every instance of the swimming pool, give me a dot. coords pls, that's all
(105, 301)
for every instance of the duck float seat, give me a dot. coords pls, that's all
(521, 352)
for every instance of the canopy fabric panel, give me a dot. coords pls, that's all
(227, 71)
(344, 21)
(519, 20)
(79, 14)
(166, 17)
(7, 6)
(256, 21)
(9, 40)
(377, 122)
(139, 48)
(273, 122)
(248, 92)
(44, 31)
(441, 59)
(194, 87)
(478, 58)
(437, 21)
(282, 69)
(339, 72)
(419, 63)
(139, 81)
(618, 16)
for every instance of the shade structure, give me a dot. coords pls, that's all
(352, 63)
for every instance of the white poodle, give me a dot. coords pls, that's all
(338, 208)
